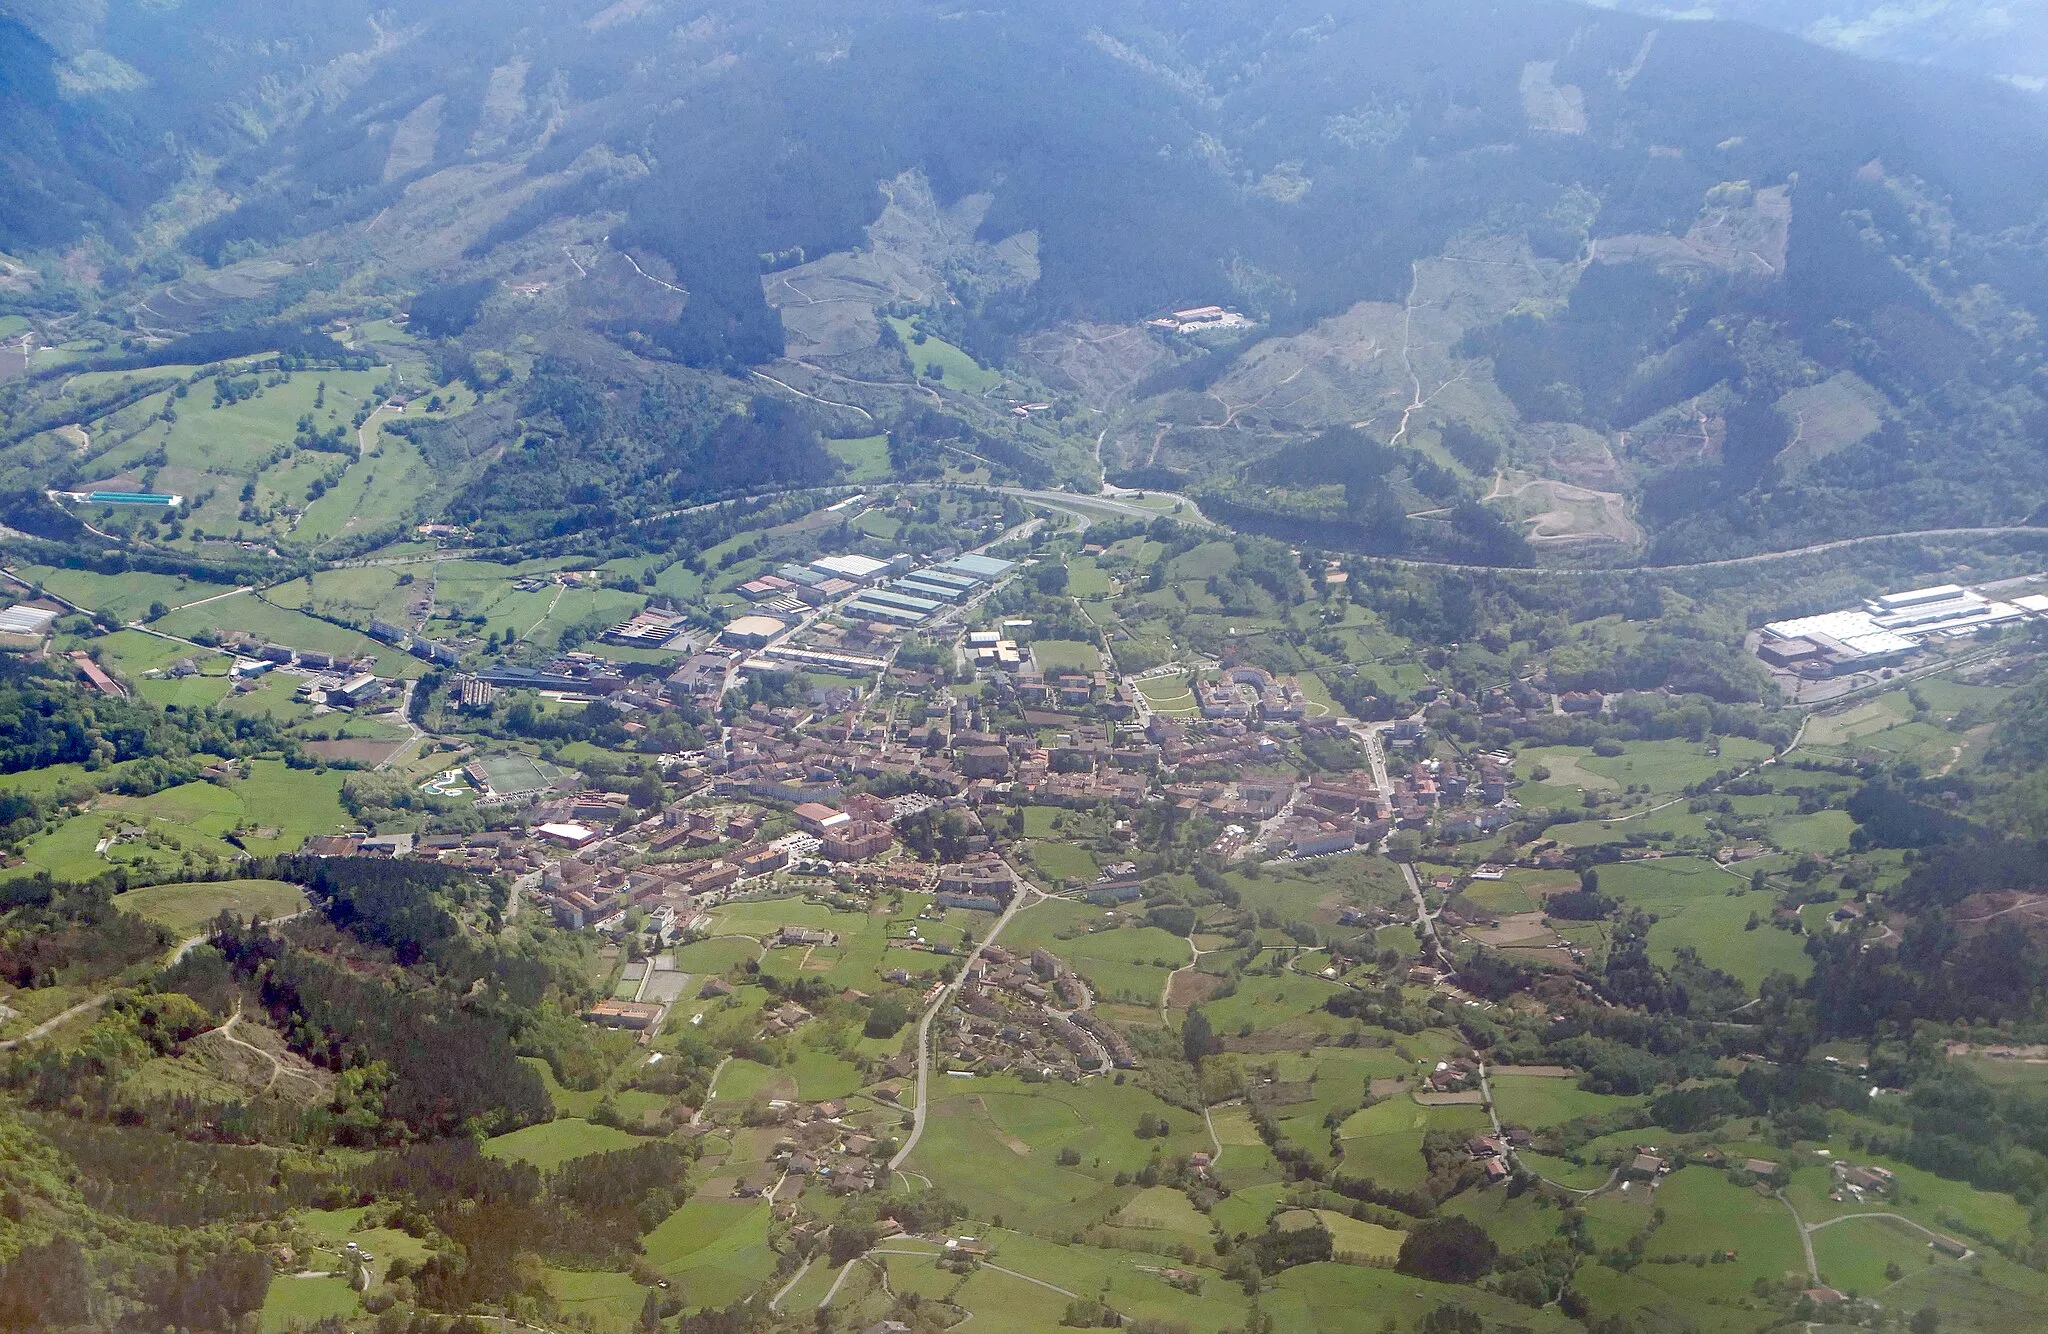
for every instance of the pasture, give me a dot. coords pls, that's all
(275, 809)
(301, 1303)
(280, 625)
(867, 458)
(184, 910)
(608, 1300)
(1700, 905)
(956, 370)
(1057, 654)
(1535, 1101)
(714, 1250)
(1349, 1237)
(1122, 963)
(993, 1144)
(552, 1143)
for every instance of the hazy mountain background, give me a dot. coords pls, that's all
(2007, 41)
(1529, 272)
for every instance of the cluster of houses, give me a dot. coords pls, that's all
(595, 888)
(1495, 1153)
(1029, 1014)
(820, 1143)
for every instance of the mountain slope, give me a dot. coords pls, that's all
(1691, 284)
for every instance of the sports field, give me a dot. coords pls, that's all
(520, 773)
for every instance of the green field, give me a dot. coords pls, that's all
(1163, 1209)
(1673, 765)
(127, 595)
(1351, 1237)
(993, 1145)
(958, 370)
(1384, 1141)
(610, 1301)
(276, 808)
(305, 1302)
(868, 457)
(1085, 579)
(1852, 1256)
(279, 625)
(552, 1143)
(1823, 833)
(1169, 695)
(185, 909)
(1695, 907)
(1059, 861)
(1535, 1101)
(1705, 1216)
(1124, 963)
(132, 652)
(378, 490)
(715, 1250)
(1055, 654)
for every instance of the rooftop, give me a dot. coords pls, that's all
(978, 567)
(857, 568)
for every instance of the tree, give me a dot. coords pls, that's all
(1448, 1250)
(1926, 1320)
(1197, 1038)
(887, 1017)
(1452, 1319)
(650, 1311)
(646, 792)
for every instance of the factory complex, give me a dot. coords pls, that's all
(1887, 629)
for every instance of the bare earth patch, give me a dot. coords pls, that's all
(1191, 988)
(1521, 929)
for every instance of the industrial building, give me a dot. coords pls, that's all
(752, 631)
(888, 604)
(356, 690)
(858, 569)
(1886, 629)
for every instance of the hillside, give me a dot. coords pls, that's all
(1207, 669)
(1624, 282)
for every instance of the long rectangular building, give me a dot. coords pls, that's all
(921, 608)
(917, 586)
(981, 569)
(878, 611)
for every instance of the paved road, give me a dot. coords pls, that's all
(927, 1255)
(1805, 1238)
(945, 998)
(794, 1279)
(418, 733)
(1760, 557)
(1375, 755)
